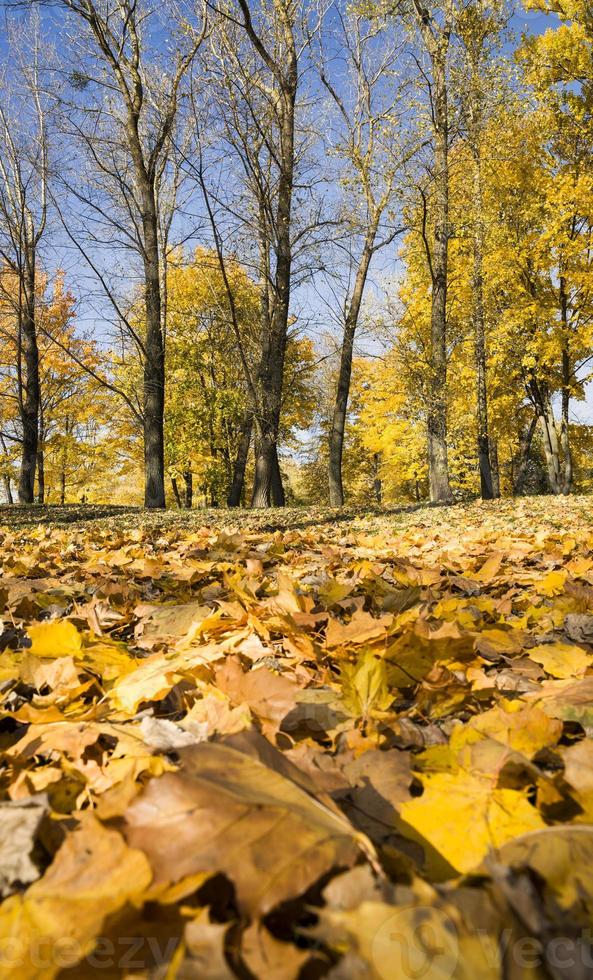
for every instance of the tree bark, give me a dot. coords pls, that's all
(486, 481)
(265, 462)
(29, 397)
(8, 488)
(41, 459)
(267, 486)
(154, 362)
(564, 425)
(176, 493)
(238, 482)
(278, 495)
(524, 447)
(336, 440)
(188, 499)
(438, 464)
(494, 468)
(551, 447)
(377, 485)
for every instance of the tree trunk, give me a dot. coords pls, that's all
(377, 486)
(176, 493)
(62, 488)
(236, 489)
(551, 447)
(188, 478)
(278, 496)
(30, 395)
(438, 464)
(154, 361)
(564, 425)
(40, 474)
(494, 468)
(567, 475)
(267, 484)
(265, 462)
(486, 482)
(8, 488)
(524, 447)
(336, 439)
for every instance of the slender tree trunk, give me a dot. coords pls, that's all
(63, 488)
(377, 486)
(567, 476)
(41, 476)
(237, 485)
(8, 488)
(523, 455)
(336, 440)
(267, 485)
(278, 496)
(188, 478)
(30, 396)
(494, 468)
(438, 464)
(6, 479)
(176, 493)
(551, 447)
(41, 460)
(154, 361)
(486, 481)
(564, 428)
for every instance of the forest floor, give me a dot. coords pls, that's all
(297, 743)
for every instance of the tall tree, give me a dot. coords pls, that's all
(479, 25)
(365, 133)
(434, 24)
(24, 167)
(132, 79)
(255, 70)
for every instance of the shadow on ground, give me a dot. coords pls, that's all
(267, 521)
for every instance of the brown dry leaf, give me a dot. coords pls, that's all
(19, 823)
(247, 815)
(201, 954)
(215, 711)
(165, 624)
(424, 677)
(361, 628)
(269, 696)
(563, 858)
(93, 874)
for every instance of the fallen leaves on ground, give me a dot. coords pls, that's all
(298, 744)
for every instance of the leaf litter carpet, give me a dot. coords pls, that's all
(292, 745)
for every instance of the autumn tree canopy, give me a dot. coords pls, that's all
(310, 254)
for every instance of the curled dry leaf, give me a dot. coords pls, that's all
(239, 807)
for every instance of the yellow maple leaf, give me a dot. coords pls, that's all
(59, 638)
(463, 816)
(552, 584)
(561, 659)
